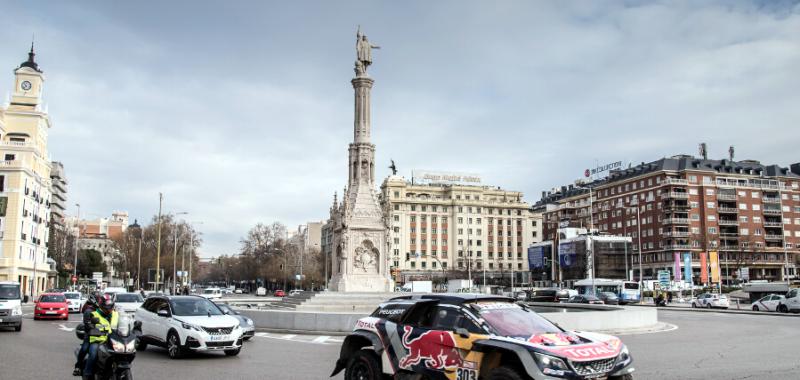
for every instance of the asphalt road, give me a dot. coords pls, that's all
(704, 346)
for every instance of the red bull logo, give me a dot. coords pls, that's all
(436, 348)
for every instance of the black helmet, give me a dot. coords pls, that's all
(106, 304)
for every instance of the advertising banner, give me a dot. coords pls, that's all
(567, 254)
(714, 259)
(677, 267)
(687, 267)
(703, 268)
(535, 258)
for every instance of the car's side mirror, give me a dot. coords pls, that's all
(462, 332)
(227, 312)
(163, 313)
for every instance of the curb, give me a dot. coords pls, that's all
(723, 311)
(303, 332)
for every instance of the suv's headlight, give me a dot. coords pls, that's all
(249, 321)
(189, 326)
(17, 310)
(551, 365)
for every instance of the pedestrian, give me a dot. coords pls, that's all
(669, 297)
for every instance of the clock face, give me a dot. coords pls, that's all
(26, 85)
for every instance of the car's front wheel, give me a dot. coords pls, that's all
(364, 365)
(174, 348)
(504, 373)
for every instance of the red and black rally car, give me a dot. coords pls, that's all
(471, 337)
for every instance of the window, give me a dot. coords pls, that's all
(692, 191)
(712, 218)
(709, 191)
(396, 194)
(710, 204)
(9, 157)
(742, 206)
(754, 194)
(756, 219)
(413, 208)
(396, 218)
(744, 231)
(743, 219)
(756, 207)
(693, 178)
(396, 207)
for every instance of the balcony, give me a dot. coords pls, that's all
(726, 196)
(772, 211)
(675, 181)
(771, 200)
(676, 206)
(729, 235)
(677, 246)
(675, 234)
(773, 224)
(773, 237)
(675, 221)
(727, 210)
(724, 222)
(675, 195)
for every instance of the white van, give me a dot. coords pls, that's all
(10, 305)
(212, 293)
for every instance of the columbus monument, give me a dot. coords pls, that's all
(360, 228)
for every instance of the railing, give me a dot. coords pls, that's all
(727, 197)
(723, 222)
(771, 200)
(676, 234)
(675, 181)
(772, 211)
(729, 234)
(728, 210)
(773, 237)
(677, 246)
(675, 221)
(675, 195)
(773, 224)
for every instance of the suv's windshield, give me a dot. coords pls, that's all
(511, 320)
(52, 298)
(9, 292)
(72, 296)
(227, 309)
(194, 306)
(129, 297)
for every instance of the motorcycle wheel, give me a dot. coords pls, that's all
(125, 374)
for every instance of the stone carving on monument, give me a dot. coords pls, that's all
(360, 229)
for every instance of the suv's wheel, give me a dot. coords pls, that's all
(364, 365)
(233, 352)
(174, 348)
(708, 306)
(783, 309)
(18, 327)
(504, 373)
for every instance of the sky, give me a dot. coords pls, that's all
(241, 112)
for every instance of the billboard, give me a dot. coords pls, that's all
(687, 267)
(535, 258)
(714, 259)
(567, 254)
(677, 267)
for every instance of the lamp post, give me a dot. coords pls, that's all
(77, 236)
(158, 242)
(139, 260)
(175, 252)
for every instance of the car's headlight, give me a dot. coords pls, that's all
(17, 310)
(189, 326)
(624, 355)
(551, 365)
(249, 321)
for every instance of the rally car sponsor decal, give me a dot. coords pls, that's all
(367, 323)
(584, 352)
(436, 349)
(555, 339)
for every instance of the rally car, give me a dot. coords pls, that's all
(472, 337)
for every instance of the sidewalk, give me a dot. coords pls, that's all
(735, 308)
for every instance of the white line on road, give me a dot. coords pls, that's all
(65, 328)
(321, 339)
(289, 336)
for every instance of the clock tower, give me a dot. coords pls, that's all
(28, 83)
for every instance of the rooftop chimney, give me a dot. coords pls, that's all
(730, 152)
(704, 151)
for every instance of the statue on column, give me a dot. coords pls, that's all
(363, 52)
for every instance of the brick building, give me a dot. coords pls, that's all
(746, 211)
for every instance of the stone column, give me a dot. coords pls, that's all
(362, 86)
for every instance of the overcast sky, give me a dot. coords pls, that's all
(241, 112)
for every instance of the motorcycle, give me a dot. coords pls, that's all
(115, 355)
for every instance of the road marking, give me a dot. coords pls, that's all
(65, 328)
(321, 339)
(289, 336)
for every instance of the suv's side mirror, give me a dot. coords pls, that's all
(163, 313)
(462, 332)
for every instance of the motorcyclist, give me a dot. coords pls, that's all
(105, 319)
(91, 306)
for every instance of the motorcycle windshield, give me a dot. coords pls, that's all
(124, 325)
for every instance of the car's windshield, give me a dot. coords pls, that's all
(52, 298)
(511, 320)
(72, 296)
(129, 297)
(227, 309)
(9, 292)
(194, 306)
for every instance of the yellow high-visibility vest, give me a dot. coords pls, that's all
(104, 326)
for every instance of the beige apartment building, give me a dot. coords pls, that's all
(25, 182)
(450, 229)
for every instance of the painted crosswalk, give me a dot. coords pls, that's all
(311, 339)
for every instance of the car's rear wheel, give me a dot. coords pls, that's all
(174, 348)
(755, 308)
(708, 306)
(783, 309)
(364, 365)
(504, 373)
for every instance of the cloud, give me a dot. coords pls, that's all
(242, 114)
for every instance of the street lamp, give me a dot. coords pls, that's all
(77, 236)
(175, 252)
(191, 254)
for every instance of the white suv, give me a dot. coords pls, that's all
(187, 323)
(791, 303)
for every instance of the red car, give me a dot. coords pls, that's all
(51, 305)
(280, 293)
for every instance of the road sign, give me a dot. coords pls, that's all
(98, 276)
(663, 278)
(74, 279)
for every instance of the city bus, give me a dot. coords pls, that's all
(627, 291)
